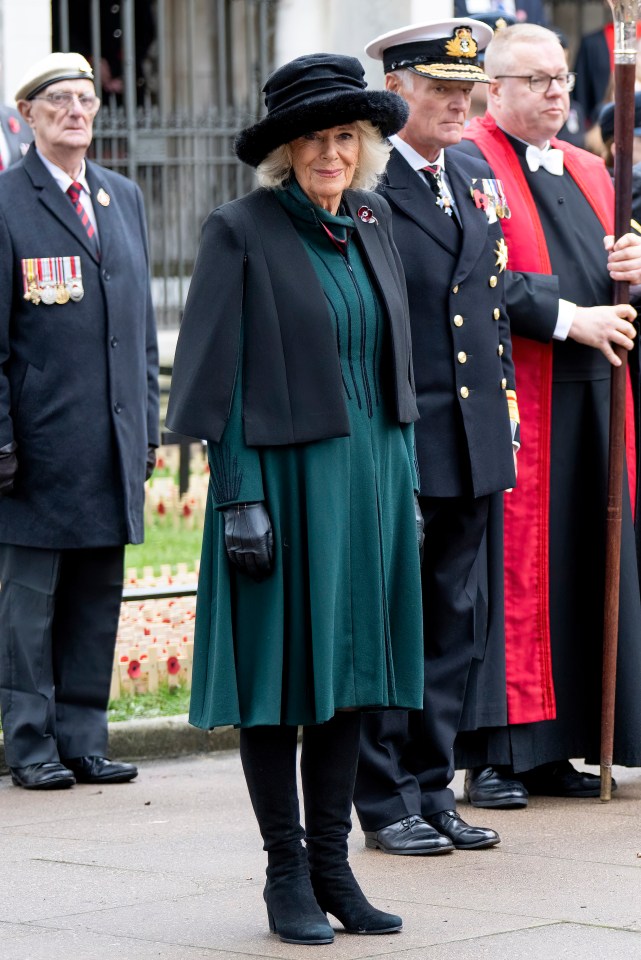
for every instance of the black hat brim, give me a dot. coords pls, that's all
(385, 110)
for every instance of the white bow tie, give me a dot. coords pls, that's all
(550, 160)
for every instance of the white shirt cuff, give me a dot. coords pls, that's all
(564, 320)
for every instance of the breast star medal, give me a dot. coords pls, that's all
(501, 254)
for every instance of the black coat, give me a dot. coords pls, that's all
(78, 384)
(463, 443)
(252, 270)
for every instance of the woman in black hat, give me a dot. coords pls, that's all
(294, 363)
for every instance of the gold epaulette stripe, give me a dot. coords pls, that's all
(512, 406)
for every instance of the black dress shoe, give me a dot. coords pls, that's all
(43, 776)
(462, 835)
(488, 787)
(101, 770)
(562, 780)
(410, 837)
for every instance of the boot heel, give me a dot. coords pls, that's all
(298, 918)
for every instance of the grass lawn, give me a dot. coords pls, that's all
(167, 702)
(165, 545)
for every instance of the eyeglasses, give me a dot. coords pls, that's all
(63, 101)
(542, 84)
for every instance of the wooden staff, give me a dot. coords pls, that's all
(625, 23)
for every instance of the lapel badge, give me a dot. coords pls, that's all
(366, 215)
(103, 198)
(501, 254)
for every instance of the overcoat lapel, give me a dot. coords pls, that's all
(474, 221)
(50, 194)
(370, 236)
(108, 220)
(405, 189)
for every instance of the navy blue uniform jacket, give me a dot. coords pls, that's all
(460, 333)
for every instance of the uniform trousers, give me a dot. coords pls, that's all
(59, 614)
(406, 760)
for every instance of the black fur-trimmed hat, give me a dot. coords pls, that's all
(314, 92)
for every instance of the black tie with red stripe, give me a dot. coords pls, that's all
(73, 192)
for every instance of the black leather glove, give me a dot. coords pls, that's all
(249, 539)
(8, 470)
(420, 528)
(150, 465)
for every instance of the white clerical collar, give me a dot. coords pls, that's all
(415, 160)
(62, 178)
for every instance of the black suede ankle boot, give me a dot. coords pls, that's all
(268, 756)
(328, 768)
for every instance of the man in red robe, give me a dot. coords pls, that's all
(562, 261)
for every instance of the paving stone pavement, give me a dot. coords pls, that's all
(171, 867)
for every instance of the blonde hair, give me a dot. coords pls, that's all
(276, 169)
(500, 55)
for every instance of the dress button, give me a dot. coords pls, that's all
(106, 275)
(503, 383)
(497, 313)
(500, 350)
(462, 357)
(492, 281)
(455, 289)
(464, 392)
(117, 407)
(458, 320)
(114, 341)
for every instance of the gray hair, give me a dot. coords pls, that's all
(500, 55)
(276, 168)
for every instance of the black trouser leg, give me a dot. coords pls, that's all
(268, 755)
(328, 768)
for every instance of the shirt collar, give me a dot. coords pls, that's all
(415, 160)
(517, 140)
(63, 179)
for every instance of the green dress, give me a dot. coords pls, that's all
(338, 623)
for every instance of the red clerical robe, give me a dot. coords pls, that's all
(528, 662)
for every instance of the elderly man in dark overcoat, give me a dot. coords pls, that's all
(447, 225)
(78, 429)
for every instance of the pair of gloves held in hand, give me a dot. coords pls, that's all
(249, 538)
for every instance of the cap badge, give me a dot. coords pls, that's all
(462, 43)
(103, 198)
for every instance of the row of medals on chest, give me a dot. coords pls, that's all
(52, 280)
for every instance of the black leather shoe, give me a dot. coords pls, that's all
(101, 770)
(410, 837)
(488, 787)
(43, 776)
(562, 780)
(461, 834)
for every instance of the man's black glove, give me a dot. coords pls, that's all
(8, 470)
(249, 539)
(150, 464)
(420, 528)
